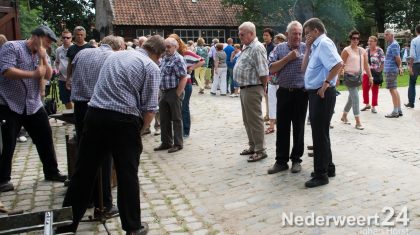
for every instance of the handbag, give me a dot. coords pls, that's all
(377, 76)
(352, 80)
(50, 104)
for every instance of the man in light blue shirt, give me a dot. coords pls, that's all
(413, 67)
(392, 67)
(321, 64)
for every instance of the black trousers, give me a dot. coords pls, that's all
(321, 111)
(107, 132)
(171, 118)
(38, 128)
(292, 105)
(80, 109)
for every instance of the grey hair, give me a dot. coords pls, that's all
(155, 45)
(142, 39)
(215, 40)
(389, 31)
(79, 28)
(248, 26)
(292, 24)
(112, 41)
(172, 42)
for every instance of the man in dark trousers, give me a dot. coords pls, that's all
(22, 64)
(321, 64)
(124, 100)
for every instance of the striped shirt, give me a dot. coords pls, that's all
(392, 51)
(20, 95)
(128, 83)
(172, 68)
(86, 67)
(290, 76)
(251, 65)
(191, 59)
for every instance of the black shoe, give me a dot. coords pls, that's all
(409, 105)
(310, 147)
(400, 114)
(162, 147)
(310, 154)
(277, 168)
(143, 231)
(57, 177)
(317, 181)
(6, 187)
(296, 167)
(174, 149)
(107, 213)
(331, 173)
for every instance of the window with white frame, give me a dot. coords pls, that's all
(234, 34)
(207, 34)
(151, 32)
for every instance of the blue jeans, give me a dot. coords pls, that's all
(412, 84)
(186, 118)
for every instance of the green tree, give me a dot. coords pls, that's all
(29, 19)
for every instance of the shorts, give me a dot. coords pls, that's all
(64, 92)
(391, 80)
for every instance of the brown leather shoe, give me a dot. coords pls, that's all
(174, 149)
(277, 168)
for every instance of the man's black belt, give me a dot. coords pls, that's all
(249, 86)
(167, 90)
(292, 89)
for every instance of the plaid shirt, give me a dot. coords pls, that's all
(172, 69)
(251, 65)
(87, 65)
(22, 95)
(290, 76)
(128, 83)
(390, 65)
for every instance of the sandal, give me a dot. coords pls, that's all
(257, 156)
(345, 121)
(366, 108)
(247, 152)
(269, 131)
(359, 127)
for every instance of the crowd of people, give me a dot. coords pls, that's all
(118, 88)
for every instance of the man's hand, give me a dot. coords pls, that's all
(179, 92)
(400, 71)
(294, 54)
(42, 53)
(309, 40)
(40, 72)
(410, 70)
(321, 91)
(68, 84)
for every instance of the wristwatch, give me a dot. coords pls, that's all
(326, 81)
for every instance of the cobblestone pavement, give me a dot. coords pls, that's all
(208, 188)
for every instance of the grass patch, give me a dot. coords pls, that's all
(402, 81)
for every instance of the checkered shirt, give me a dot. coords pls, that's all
(392, 51)
(20, 95)
(86, 67)
(128, 83)
(290, 76)
(172, 69)
(251, 65)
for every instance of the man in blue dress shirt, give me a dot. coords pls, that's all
(321, 64)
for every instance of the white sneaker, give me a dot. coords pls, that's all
(232, 95)
(22, 139)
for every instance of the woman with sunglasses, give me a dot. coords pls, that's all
(355, 64)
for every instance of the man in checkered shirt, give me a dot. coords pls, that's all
(21, 105)
(86, 67)
(125, 98)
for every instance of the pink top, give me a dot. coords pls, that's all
(352, 64)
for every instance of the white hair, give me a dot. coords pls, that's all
(389, 31)
(215, 40)
(142, 39)
(292, 24)
(172, 42)
(248, 26)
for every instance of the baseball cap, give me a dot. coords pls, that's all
(44, 30)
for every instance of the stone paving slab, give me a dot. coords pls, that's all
(208, 188)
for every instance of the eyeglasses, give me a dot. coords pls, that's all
(355, 38)
(66, 37)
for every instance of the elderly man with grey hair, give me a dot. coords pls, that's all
(392, 67)
(86, 67)
(292, 98)
(251, 73)
(174, 78)
(124, 99)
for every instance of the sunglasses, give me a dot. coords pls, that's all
(355, 38)
(66, 37)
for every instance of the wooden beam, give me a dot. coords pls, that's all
(5, 19)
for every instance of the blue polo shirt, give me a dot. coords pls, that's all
(415, 49)
(392, 51)
(323, 58)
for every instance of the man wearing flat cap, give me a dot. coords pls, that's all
(22, 64)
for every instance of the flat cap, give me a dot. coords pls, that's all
(44, 30)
